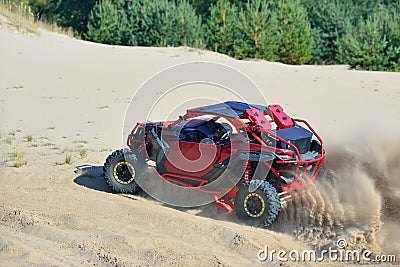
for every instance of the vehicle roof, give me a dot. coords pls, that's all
(230, 109)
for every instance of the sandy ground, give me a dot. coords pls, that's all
(63, 99)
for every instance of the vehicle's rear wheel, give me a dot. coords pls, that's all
(258, 207)
(120, 170)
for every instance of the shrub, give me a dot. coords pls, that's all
(66, 13)
(68, 159)
(83, 152)
(256, 32)
(293, 32)
(108, 25)
(29, 138)
(374, 43)
(164, 23)
(19, 158)
(220, 27)
(328, 22)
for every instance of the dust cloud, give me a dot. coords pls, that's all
(361, 204)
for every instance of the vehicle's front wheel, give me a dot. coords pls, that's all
(120, 170)
(258, 207)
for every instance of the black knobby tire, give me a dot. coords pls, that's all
(258, 207)
(120, 170)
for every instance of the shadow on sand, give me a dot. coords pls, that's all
(91, 177)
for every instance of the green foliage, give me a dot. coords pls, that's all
(108, 25)
(273, 30)
(66, 13)
(29, 138)
(331, 19)
(362, 33)
(74, 13)
(68, 159)
(293, 31)
(221, 28)
(374, 43)
(164, 23)
(45, 9)
(328, 21)
(21, 15)
(19, 157)
(202, 7)
(189, 28)
(256, 32)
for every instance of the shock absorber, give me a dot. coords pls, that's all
(247, 171)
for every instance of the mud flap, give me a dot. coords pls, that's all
(221, 202)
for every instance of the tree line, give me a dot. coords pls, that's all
(361, 33)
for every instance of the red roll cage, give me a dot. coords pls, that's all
(288, 157)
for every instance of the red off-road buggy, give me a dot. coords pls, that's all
(263, 154)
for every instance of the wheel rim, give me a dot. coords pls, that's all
(254, 205)
(124, 172)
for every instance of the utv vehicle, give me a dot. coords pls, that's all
(271, 155)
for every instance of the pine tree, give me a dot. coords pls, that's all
(188, 29)
(164, 23)
(391, 30)
(329, 20)
(202, 7)
(66, 13)
(74, 13)
(108, 25)
(256, 32)
(221, 27)
(293, 30)
(374, 43)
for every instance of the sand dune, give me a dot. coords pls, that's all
(61, 98)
